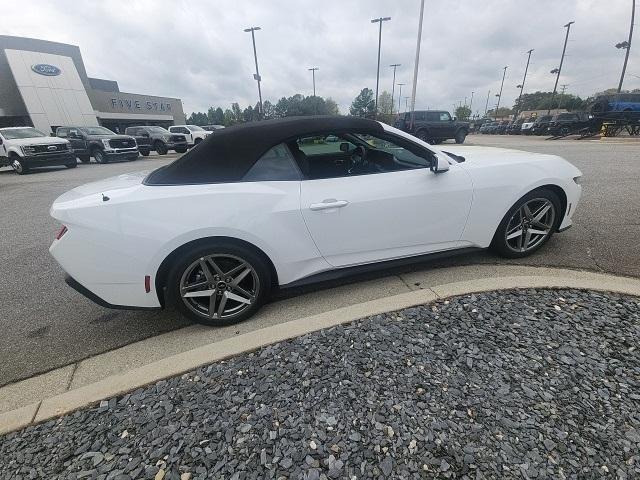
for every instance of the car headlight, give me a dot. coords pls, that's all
(106, 143)
(27, 150)
(166, 138)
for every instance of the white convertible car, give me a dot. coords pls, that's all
(283, 202)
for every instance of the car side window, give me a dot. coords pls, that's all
(389, 154)
(62, 132)
(445, 117)
(74, 132)
(433, 117)
(277, 164)
(323, 145)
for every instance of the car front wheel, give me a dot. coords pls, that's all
(528, 225)
(219, 284)
(99, 156)
(460, 136)
(160, 148)
(18, 165)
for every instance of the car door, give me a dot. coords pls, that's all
(397, 212)
(76, 139)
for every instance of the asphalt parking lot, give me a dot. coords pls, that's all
(45, 324)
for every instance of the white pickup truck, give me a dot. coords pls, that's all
(24, 148)
(193, 133)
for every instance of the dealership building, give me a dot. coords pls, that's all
(45, 85)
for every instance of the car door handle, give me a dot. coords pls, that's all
(327, 204)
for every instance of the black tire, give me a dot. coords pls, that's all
(18, 165)
(72, 165)
(181, 150)
(160, 148)
(423, 135)
(460, 136)
(85, 158)
(197, 141)
(564, 130)
(499, 242)
(145, 153)
(99, 156)
(183, 263)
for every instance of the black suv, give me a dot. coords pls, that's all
(100, 143)
(540, 125)
(565, 123)
(433, 126)
(157, 138)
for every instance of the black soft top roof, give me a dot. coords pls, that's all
(229, 153)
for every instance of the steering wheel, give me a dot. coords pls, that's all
(358, 159)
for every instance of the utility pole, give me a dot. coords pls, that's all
(406, 104)
(524, 79)
(415, 67)
(471, 104)
(313, 74)
(504, 73)
(393, 86)
(627, 45)
(378, 20)
(400, 95)
(256, 76)
(559, 69)
(486, 105)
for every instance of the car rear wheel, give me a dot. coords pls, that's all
(18, 165)
(160, 148)
(99, 156)
(219, 284)
(73, 164)
(460, 136)
(528, 225)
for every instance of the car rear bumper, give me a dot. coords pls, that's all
(78, 287)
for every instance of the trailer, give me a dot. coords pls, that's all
(607, 124)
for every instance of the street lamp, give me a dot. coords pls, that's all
(313, 74)
(471, 103)
(393, 85)
(256, 76)
(524, 79)
(379, 20)
(499, 95)
(400, 95)
(415, 65)
(559, 69)
(626, 45)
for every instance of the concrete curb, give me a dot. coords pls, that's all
(72, 400)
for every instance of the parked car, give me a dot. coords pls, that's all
(565, 123)
(158, 139)
(212, 128)
(488, 127)
(514, 126)
(257, 207)
(525, 128)
(501, 128)
(539, 127)
(193, 133)
(100, 143)
(433, 126)
(25, 148)
(619, 102)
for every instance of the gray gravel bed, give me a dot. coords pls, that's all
(535, 384)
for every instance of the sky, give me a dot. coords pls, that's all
(197, 50)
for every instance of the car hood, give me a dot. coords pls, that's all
(38, 141)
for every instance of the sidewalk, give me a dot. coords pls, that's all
(509, 384)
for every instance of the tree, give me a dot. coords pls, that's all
(249, 114)
(363, 105)
(463, 112)
(546, 100)
(385, 108)
(332, 106)
(197, 118)
(502, 112)
(237, 113)
(229, 118)
(215, 116)
(268, 110)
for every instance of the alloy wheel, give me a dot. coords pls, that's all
(530, 225)
(219, 286)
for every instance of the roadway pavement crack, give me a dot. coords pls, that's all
(73, 373)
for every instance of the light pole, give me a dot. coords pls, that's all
(559, 69)
(393, 85)
(471, 103)
(415, 67)
(256, 76)
(313, 74)
(406, 104)
(524, 79)
(400, 95)
(379, 20)
(499, 95)
(627, 45)
(486, 105)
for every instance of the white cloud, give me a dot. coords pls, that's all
(197, 50)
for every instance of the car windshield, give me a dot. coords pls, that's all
(27, 132)
(195, 128)
(157, 130)
(544, 118)
(96, 131)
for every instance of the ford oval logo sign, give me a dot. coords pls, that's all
(45, 69)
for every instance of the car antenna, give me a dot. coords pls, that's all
(105, 198)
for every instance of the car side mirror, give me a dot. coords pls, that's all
(439, 165)
(344, 147)
(454, 119)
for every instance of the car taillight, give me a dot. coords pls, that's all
(62, 231)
